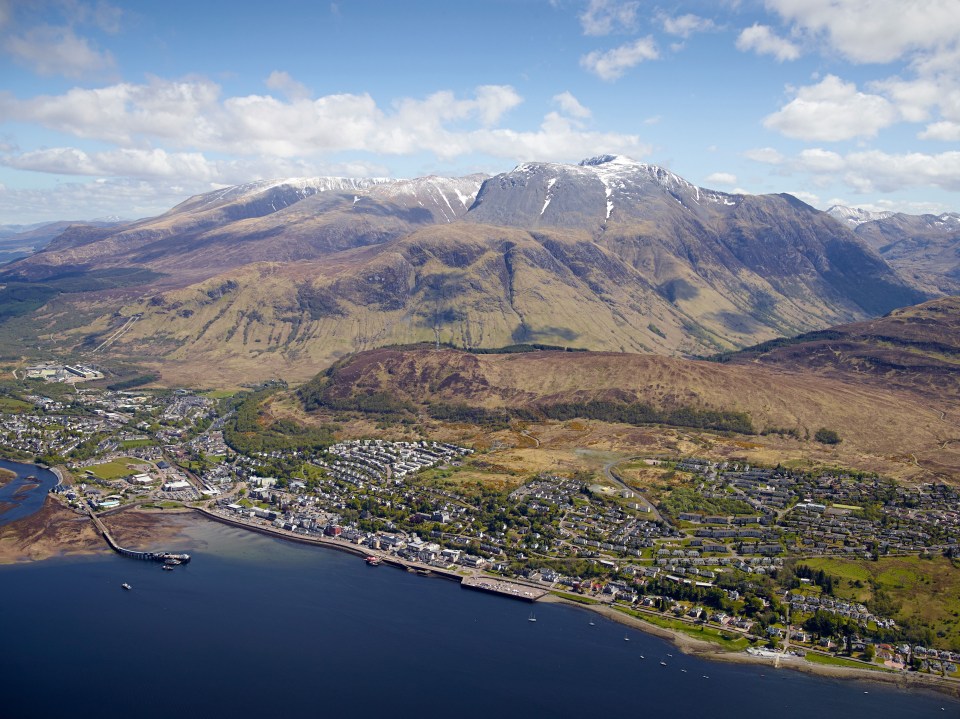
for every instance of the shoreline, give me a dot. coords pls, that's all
(708, 650)
(684, 642)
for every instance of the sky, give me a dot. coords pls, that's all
(126, 108)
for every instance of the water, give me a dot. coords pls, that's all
(30, 501)
(254, 626)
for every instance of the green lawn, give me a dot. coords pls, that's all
(128, 443)
(841, 662)
(578, 598)
(727, 640)
(117, 469)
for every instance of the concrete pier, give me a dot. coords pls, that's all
(132, 553)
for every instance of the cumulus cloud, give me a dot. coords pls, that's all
(686, 25)
(614, 63)
(192, 121)
(286, 85)
(51, 50)
(832, 110)
(766, 155)
(603, 17)
(875, 30)
(877, 171)
(762, 40)
(722, 178)
(944, 130)
(571, 105)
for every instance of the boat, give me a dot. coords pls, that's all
(423, 572)
(126, 586)
(167, 567)
(642, 657)
(593, 624)
(373, 561)
(663, 664)
(171, 561)
(626, 638)
(532, 617)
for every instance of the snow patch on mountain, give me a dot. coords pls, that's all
(854, 216)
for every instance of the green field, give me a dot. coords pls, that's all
(13, 406)
(128, 443)
(117, 469)
(841, 662)
(708, 634)
(922, 594)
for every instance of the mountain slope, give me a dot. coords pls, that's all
(277, 277)
(914, 348)
(923, 248)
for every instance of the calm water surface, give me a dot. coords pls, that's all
(259, 627)
(25, 502)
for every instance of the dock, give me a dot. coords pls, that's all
(132, 553)
(504, 588)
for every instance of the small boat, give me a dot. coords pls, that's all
(423, 572)
(126, 586)
(626, 638)
(593, 624)
(373, 561)
(642, 657)
(532, 617)
(167, 568)
(663, 664)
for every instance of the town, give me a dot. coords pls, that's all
(731, 557)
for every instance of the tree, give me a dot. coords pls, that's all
(827, 436)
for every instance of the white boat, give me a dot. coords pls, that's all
(126, 586)
(626, 638)
(531, 618)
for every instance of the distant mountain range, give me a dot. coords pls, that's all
(925, 249)
(279, 278)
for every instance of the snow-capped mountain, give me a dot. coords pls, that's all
(606, 254)
(854, 216)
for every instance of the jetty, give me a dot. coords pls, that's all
(167, 557)
(503, 588)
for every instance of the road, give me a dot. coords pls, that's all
(608, 472)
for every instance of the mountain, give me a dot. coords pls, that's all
(18, 241)
(277, 278)
(923, 248)
(890, 387)
(913, 348)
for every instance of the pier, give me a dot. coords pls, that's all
(132, 553)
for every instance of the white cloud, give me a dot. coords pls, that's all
(50, 50)
(877, 171)
(191, 114)
(612, 64)
(571, 105)
(766, 155)
(685, 25)
(722, 178)
(603, 17)
(816, 159)
(762, 40)
(808, 197)
(944, 130)
(191, 121)
(875, 30)
(286, 85)
(832, 110)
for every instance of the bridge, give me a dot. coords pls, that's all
(132, 553)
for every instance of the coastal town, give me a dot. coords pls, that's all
(737, 556)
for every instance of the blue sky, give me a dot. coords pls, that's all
(114, 108)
